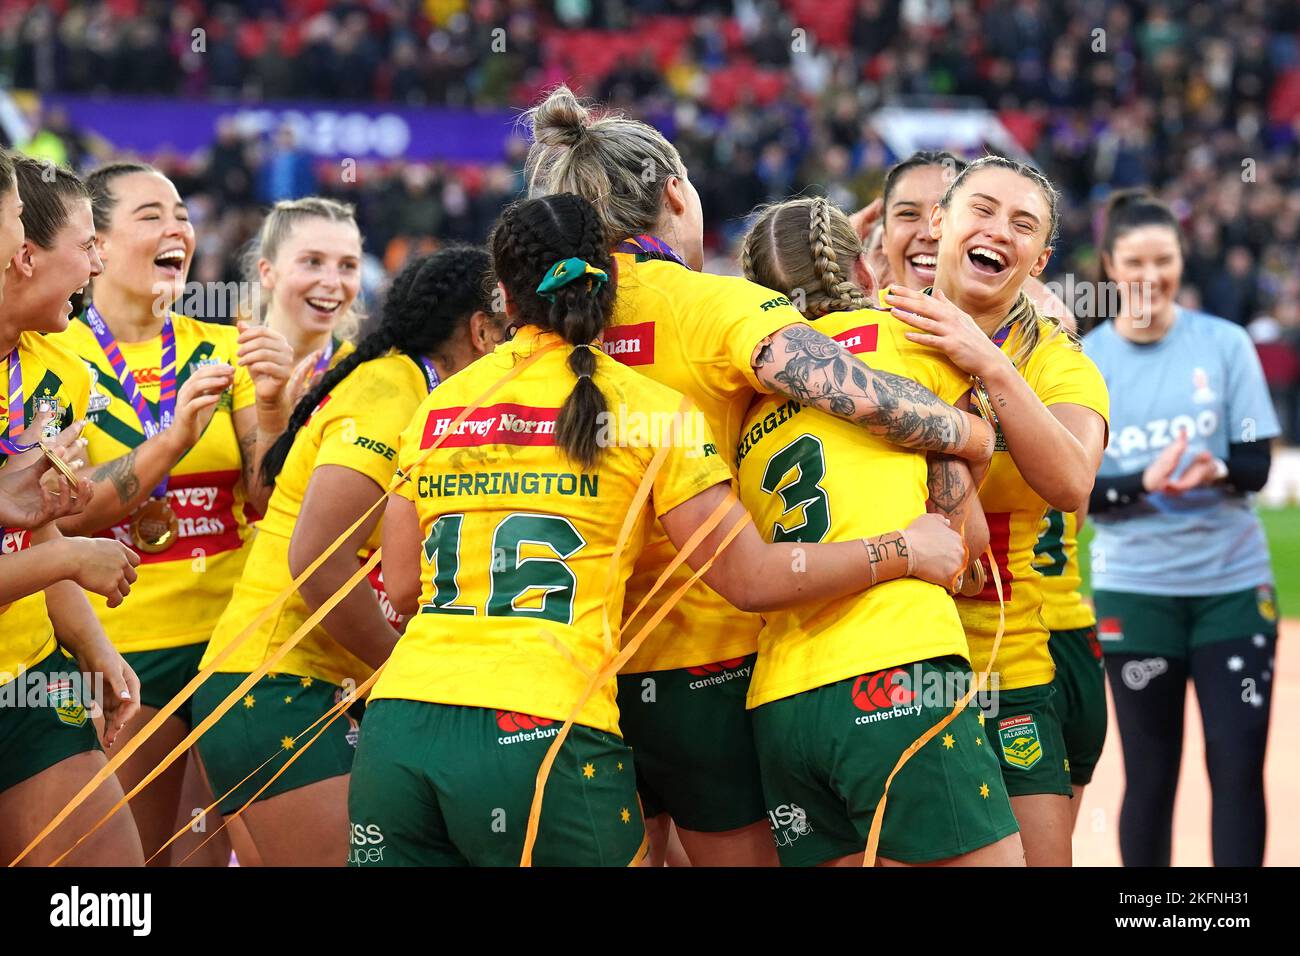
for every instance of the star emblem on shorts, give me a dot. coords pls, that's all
(620, 766)
(288, 700)
(984, 790)
(1235, 663)
(980, 718)
(305, 681)
(589, 771)
(625, 815)
(286, 743)
(250, 700)
(948, 742)
(979, 741)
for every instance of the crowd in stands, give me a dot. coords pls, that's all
(1198, 98)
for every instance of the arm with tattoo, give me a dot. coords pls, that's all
(253, 446)
(123, 484)
(955, 495)
(815, 370)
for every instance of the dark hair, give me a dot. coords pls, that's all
(1129, 209)
(427, 302)
(6, 171)
(919, 159)
(48, 192)
(529, 238)
(100, 182)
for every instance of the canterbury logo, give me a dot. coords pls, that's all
(878, 690)
(511, 721)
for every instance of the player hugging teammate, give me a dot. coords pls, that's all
(872, 426)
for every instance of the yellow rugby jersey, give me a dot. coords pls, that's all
(50, 374)
(342, 349)
(1056, 559)
(808, 476)
(357, 426)
(518, 541)
(695, 333)
(1059, 373)
(181, 592)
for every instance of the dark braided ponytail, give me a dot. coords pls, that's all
(427, 302)
(529, 238)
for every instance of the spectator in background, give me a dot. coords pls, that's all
(287, 172)
(229, 175)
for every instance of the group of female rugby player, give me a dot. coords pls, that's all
(849, 433)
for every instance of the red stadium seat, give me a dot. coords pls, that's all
(1281, 363)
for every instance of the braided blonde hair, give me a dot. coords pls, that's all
(805, 248)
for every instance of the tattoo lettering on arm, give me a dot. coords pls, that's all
(121, 472)
(247, 456)
(878, 549)
(948, 485)
(816, 370)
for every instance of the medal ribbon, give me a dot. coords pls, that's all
(652, 246)
(166, 380)
(431, 375)
(323, 363)
(17, 423)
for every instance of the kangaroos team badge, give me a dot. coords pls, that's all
(1020, 743)
(1266, 601)
(66, 705)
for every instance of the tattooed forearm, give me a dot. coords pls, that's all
(248, 454)
(121, 472)
(948, 484)
(816, 370)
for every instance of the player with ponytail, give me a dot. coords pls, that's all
(830, 674)
(328, 468)
(507, 553)
(722, 342)
(994, 228)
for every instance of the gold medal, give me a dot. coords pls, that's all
(154, 527)
(62, 468)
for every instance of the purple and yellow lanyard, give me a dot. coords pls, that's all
(430, 373)
(166, 379)
(652, 246)
(323, 363)
(9, 443)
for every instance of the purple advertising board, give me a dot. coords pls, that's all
(326, 130)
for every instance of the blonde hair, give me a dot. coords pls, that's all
(619, 165)
(805, 248)
(1025, 318)
(279, 224)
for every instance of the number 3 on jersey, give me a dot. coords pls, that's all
(548, 582)
(807, 458)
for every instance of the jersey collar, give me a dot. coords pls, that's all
(646, 246)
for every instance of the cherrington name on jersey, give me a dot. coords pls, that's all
(518, 574)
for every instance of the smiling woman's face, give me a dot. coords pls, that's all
(906, 239)
(148, 243)
(992, 236)
(316, 274)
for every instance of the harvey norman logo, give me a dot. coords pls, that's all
(504, 424)
(76, 909)
(861, 339)
(631, 344)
